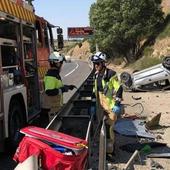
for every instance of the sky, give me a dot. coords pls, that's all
(64, 13)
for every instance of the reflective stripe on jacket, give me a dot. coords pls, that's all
(110, 86)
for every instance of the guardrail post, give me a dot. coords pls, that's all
(102, 147)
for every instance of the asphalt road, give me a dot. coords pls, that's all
(72, 73)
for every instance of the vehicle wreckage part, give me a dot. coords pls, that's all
(153, 78)
(159, 155)
(132, 128)
(129, 164)
(131, 147)
(136, 98)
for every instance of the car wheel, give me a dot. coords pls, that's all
(16, 122)
(166, 62)
(126, 79)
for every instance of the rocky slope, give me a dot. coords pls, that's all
(80, 52)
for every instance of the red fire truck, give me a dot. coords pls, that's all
(25, 43)
(45, 45)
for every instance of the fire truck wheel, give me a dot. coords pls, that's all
(16, 122)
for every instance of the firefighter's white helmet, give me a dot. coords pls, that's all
(98, 57)
(56, 57)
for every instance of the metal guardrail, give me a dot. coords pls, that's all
(78, 118)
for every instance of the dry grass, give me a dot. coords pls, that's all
(166, 6)
(82, 52)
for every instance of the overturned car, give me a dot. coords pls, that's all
(153, 78)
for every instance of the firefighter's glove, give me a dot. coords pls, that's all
(65, 88)
(117, 102)
(116, 109)
(71, 87)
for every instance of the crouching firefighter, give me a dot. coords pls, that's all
(52, 99)
(108, 91)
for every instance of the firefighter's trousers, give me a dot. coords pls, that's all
(110, 122)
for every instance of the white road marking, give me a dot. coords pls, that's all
(77, 65)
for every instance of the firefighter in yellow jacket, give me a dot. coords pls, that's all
(52, 99)
(109, 92)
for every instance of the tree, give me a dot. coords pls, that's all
(121, 26)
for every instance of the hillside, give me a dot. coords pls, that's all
(153, 53)
(80, 51)
(162, 43)
(166, 6)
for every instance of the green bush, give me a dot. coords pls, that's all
(148, 51)
(165, 33)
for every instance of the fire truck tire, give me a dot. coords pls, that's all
(16, 122)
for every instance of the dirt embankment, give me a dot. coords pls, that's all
(80, 51)
(161, 47)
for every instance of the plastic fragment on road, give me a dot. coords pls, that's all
(159, 155)
(153, 122)
(132, 128)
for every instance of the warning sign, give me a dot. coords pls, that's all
(79, 32)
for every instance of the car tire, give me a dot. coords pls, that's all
(16, 121)
(166, 62)
(126, 79)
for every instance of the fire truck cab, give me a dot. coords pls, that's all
(19, 87)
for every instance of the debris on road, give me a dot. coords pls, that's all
(153, 122)
(132, 128)
(131, 147)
